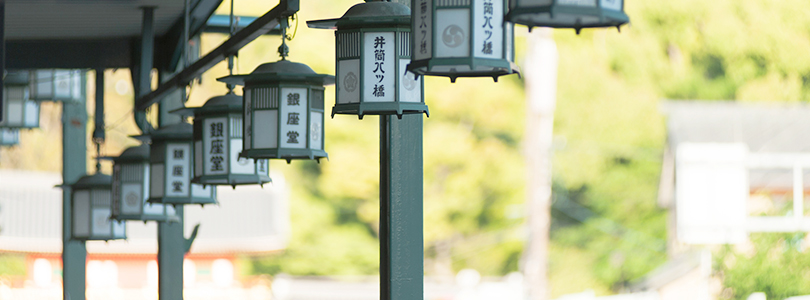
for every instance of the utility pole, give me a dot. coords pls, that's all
(74, 166)
(540, 71)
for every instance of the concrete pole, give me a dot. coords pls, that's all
(540, 71)
(74, 166)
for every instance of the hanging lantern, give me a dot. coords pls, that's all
(576, 14)
(283, 111)
(373, 48)
(91, 209)
(130, 188)
(171, 168)
(55, 85)
(18, 110)
(218, 142)
(9, 137)
(462, 38)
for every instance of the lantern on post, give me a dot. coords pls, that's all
(171, 168)
(55, 85)
(218, 142)
(282, 109)
(130, 188)
(91, 207)
(9, 136)
(567, 13)
(462, 38)
(18, 110)
(373, 48)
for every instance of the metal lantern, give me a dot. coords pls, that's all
(91, 209)
(171, 168)
(217, 143)
(18, 110)
(461, 38)
(55, 85)
(373, 48)
(130, 188)
(283, 111)
(576, 14)
(9, 137)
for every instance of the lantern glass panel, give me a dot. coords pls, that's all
(177, 169)
(53, 85)
(101, 225)
(9, 136)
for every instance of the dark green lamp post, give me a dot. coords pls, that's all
(282, 109)
(91, 207)
(218, 142)
(576, 14)
(171, 168)
(55, 84)
(9, 136)
(462, 38)
(373, 48)
(130, 188)
(18, 110)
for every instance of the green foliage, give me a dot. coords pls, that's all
(776, 264)
(12, 265)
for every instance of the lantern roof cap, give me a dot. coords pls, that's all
(91, 181)
(180, 131)
(283, 70)
(134, 154)
(16, 78)
(375, 12)
(227, 103)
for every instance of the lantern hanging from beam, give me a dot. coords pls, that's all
(576, 14)
(18, 110)
(55, 84)
(218, 142)
(130, 188)
(9, 136)
(283, 111)
(171, 168)
(373, 48)
(91, 209)
(461, 38)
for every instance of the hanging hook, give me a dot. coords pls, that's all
(283, 50)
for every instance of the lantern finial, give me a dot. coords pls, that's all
(283, 50)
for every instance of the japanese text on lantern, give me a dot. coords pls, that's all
(176, 168)
(488, 13)
(423, 27)
(379, 67)
(293, 99)
(217, 151)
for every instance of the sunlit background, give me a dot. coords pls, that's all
(620, 107)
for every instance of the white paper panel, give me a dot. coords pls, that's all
(488, 20)
(101, 222)
(131, 198)
(14, 112)
(422, 30)
(316, 130)
(348, 81)
(215, 138)
(379, 71)
(178, 158)
(294, 103)
(240, 165)
(266, 134)
(586, 3)
(81, 213)
(31, 113)
(452, 33)
(611, 4)
(119, 229)
(410, 88)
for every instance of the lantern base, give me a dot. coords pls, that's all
(183, 200)
(455, 67)
(380, 108)
(157, 218)
(232, 179)
(284, 153)
(566, 16)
